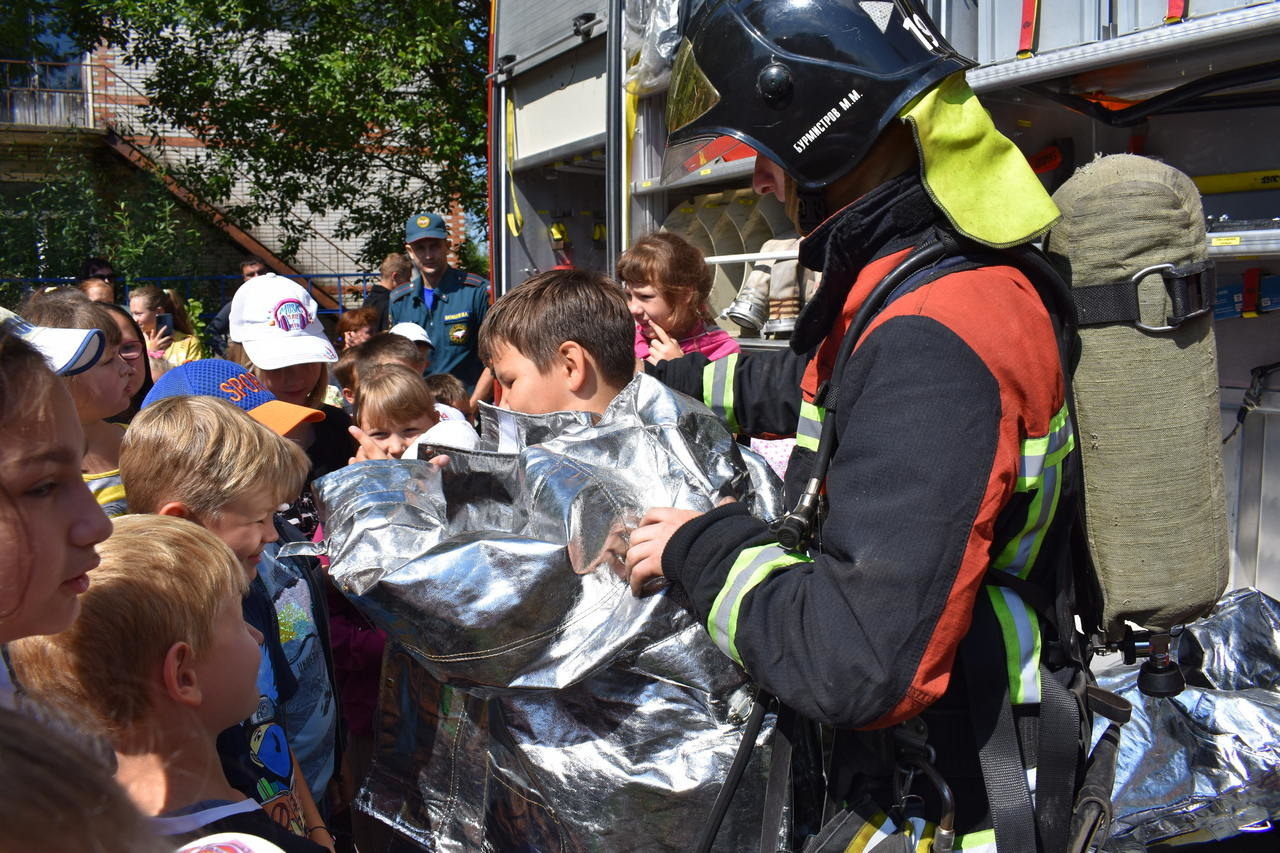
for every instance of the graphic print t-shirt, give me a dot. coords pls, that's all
(255, 754)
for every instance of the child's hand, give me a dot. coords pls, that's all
(648, 541)
(662, 346)
(368, 449)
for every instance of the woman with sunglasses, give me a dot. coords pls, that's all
(101, 392)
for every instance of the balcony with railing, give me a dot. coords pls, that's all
(46, 94)
(37, 97)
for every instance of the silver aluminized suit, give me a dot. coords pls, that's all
(529, 700)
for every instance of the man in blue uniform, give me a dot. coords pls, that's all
(448, 302)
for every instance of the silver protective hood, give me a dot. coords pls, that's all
(529, 700)
(1205, 763)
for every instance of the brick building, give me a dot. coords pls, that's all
(93, 108)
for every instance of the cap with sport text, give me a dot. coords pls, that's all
(423, 225)
(214, 377)
(66, 351)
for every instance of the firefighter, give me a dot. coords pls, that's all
(921, 623)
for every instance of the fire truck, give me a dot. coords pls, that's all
(577, 137)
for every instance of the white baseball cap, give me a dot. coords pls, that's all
(276, 321)
(67, 351)
(413, 332)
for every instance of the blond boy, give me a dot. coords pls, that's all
(160, 661)
(203, 459)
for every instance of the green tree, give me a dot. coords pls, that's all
(54, 30)
(372, 109)
(82, 210)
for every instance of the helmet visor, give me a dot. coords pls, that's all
(692, 155)
(691, 94)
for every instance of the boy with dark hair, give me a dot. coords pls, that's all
(559, 342)
(251, 266)
(386, 348)
(571, 716)
(382, 348)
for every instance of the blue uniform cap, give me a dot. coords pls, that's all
(423, 225)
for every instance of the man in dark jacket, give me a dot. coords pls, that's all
(951, 479)
(251, 267)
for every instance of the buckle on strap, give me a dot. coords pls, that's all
(1190, 289)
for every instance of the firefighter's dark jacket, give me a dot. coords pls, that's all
(946, 401)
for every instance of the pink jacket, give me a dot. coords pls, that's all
(712, 341)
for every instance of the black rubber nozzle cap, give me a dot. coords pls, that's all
(1160, 681)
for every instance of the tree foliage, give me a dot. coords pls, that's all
(369, 109)
(53, 30)
(81, 211)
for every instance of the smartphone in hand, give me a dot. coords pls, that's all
(164, 324)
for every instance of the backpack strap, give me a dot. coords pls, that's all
(999, 755)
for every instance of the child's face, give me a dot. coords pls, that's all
(355, 337)
(394, 439)
(48, 525)
(650, 308)
(228, 668)
(527, 389)
(293, 384)
(103, 390)
(246, 525)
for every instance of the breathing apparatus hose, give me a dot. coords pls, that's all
(1252, 395)
(734, 777)
(795, 529)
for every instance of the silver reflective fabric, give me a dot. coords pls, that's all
(1205, 762)
(529, 700)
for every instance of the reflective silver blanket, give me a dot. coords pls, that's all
(1205, 763)
(530, 701)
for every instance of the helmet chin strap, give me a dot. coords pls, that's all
(811, 209)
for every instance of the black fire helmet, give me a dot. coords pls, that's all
(809, 84)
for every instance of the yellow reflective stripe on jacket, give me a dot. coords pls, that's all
(1020, 628)
(1039, 474)
(717, 389)
(749, 570)
(879, 828)
(809, 430)
(872, 832)
(977, 842)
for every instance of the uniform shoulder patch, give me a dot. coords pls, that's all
(401, 291)
(475, 280)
